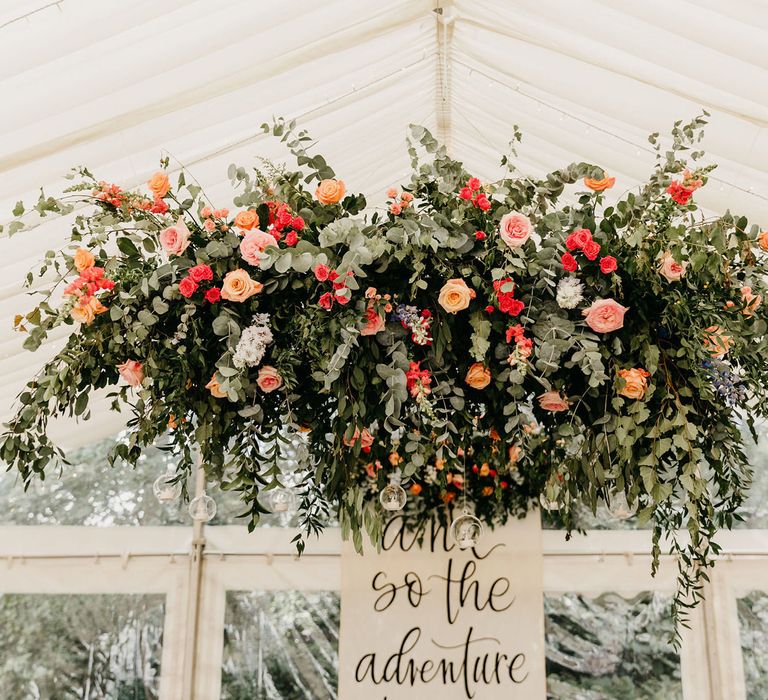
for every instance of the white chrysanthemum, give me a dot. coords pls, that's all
(569, 293)
(253, 343)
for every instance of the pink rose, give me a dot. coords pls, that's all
(132, 372)
(515, 229)
(373, 322)
(253, 245)
(269, 379)
(605, 315)
(552, 401)
(175, 239)
(669, 269)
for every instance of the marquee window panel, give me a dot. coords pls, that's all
(753, 632)
(98, 647)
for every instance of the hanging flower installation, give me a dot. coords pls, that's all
(468, 344)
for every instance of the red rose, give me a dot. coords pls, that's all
(591, 250)
(333, 275)
(569, 262)
(187, 287)
(480, 235)
(680, 193)
(291, 238)
(213, 295)
(473, 183)
(489, 309)
(482, 202)
(298, 223)
(343, 300)
(326, 301)
(578, 239)
(321, 272)
(201, 273)
(465, 193)
(515, 307)
(608, 265)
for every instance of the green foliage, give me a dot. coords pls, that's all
(379, 375)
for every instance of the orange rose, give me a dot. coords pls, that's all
(762, 241)
(330, 191)
(247, 219)
(514, 453)
(215, 388)
(455, 295)
(478, 376)
(238, 286)
(83, 259)
(86, 309)
(635, 382)
(716, 341)
(600, 185)
(415, 489)
(159, 184)
(751, 301)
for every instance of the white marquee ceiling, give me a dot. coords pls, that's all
(117, 85)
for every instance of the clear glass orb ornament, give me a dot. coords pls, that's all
(282, 500)
(202, 507)
(167, 490)
(466, 531)
(393, 496)
(619, 507)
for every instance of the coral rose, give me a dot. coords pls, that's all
(635, 382)
(238, 286)
(373, 322)
(762, 241)
(515, 229)
(578, 239)
(159, 184)
(253, 245)
(552, 401)
(247, 219)
(478, 376)
(601, 185)
(330, 191)
(751, 301)
(86, 309)
(175, 239)
(605, 315)
(201, 273)
(83, 259)
(269, 379)
(187, 287)
(132, 372)
(716, 341)
(671, 270)
(455, 295)
(215, 388)
(608, 264)
(365, 437)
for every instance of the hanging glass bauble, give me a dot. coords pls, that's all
(466, 531)
(282, 500)
(393, 496)
(167, 487)
(202, 507)
(549, 506)
(619, 507)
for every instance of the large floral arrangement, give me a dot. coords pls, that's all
(489, 344)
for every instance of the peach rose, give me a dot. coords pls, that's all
(365, 437)
(86, 309)
(515, 229)
(247, 219)
(238, 286)
(478, 376)
(552, 401)
(131, 372)
(159, 184)
(253, 245)
(605, 315)
(83, 259)
(716, 341)
(762, 241)
(751, 301)
(269, 379)
(215, 388)
(455, 295)
(635, 382)
(600, 185)
(373, 322)
(671, 270)
(330, 191)
(514, 453)
(175, 239)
